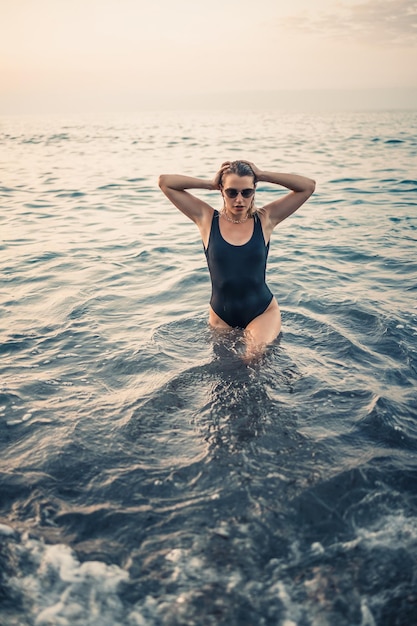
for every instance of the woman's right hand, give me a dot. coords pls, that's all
(217, 180)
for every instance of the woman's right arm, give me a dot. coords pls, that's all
(174, 187)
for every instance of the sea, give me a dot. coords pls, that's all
(150, 476)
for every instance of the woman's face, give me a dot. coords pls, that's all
(240, 204)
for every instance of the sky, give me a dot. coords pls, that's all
(127, 54)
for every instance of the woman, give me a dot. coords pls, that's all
(236, 243)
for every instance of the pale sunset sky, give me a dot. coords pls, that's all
(131, 54)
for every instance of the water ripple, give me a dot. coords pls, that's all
(150, 476)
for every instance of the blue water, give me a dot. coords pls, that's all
(149, 476)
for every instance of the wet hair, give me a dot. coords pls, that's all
(241, 169)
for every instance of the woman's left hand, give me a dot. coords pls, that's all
(253, 167)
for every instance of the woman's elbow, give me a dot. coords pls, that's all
(310, 186)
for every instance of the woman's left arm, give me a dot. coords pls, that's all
(300, 188)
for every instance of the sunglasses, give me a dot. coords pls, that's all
(233, 193)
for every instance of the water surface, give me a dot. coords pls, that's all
(149, 476)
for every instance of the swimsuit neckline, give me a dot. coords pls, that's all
(236, 245)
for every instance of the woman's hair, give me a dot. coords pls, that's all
(241, 169)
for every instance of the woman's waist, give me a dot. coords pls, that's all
(240, 289)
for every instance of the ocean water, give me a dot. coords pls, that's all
(149, 477)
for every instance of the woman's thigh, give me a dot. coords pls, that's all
(216, 322)
(265, 328)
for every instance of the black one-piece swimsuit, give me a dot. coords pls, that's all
(239, 292)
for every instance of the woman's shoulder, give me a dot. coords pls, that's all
(260, 214)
